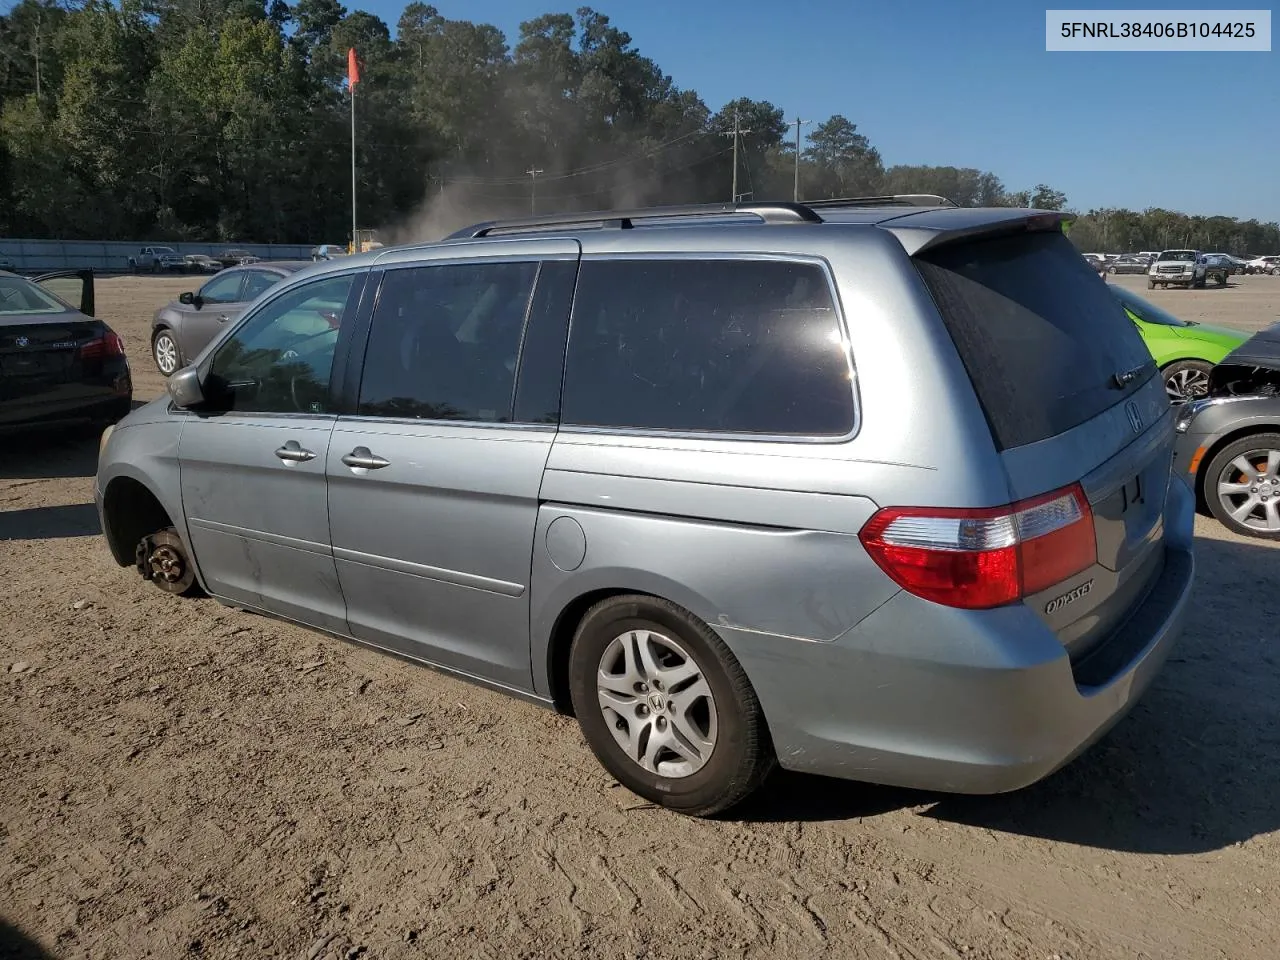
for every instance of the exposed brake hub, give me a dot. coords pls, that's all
(162, 559)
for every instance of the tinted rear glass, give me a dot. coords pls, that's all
(722, 346)
(1040, 335)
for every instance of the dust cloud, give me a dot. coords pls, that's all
(468, 200)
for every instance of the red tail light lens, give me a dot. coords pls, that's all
(976, 559)
(107, 345)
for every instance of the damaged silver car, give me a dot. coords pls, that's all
(1229, 441)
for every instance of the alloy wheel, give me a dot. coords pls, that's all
(1249, 490)
(166, 354)
(1186, 385)
(657, 703)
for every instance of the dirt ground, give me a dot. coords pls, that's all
(178, 779)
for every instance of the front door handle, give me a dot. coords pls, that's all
(292, 452)
(362, 458)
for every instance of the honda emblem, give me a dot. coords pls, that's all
(1135, 416)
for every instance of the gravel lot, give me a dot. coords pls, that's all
(180, 779)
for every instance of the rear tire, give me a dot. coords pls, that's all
(1258, 451)
(634, 640)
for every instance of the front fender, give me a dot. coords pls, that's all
(145, 452)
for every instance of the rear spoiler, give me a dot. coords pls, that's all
(918, 232)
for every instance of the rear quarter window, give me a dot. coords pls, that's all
(707, 346)
(1039, 333)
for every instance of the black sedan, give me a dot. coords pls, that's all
(1229, 442)
(58, 364)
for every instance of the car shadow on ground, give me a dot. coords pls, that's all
(15, 945)
(1191, 769)
(52, 453)
(70, 453)
(50, 523)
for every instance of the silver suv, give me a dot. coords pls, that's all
(873, 489)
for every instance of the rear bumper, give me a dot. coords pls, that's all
(922, 696)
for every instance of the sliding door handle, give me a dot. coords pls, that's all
(362, 458)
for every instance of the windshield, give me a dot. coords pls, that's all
(1145, 310)
(18, 296)
(1185, 255)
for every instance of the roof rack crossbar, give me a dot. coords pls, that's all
(779, 212)
(897, 199)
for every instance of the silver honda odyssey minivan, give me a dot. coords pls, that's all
(877, 489)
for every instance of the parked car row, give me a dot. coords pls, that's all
(1141, 262)
(153, 259)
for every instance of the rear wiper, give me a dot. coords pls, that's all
(1122, 378)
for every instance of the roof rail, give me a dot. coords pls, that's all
(779, 212)
(892, 200)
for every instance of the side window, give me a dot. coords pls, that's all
(724, 346)
(222, 289)
(281, 358)
(256, 281)
(445, 341)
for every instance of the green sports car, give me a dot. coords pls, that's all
(1184, 351)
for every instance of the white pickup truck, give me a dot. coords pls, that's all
(156, 260)
(1185, 268)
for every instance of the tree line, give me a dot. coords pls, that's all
(229, 120)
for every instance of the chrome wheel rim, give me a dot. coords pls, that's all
(1186, 385)
(166, 354)
(1249, 490)
(657, 703)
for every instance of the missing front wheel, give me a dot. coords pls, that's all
(162, 558)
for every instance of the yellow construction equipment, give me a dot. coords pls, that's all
(365, 241)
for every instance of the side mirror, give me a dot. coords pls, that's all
(185, 389)
(187, 298)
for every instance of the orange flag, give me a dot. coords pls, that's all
(353, 68)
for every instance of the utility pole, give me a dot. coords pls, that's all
(736, 134)
(39, 24)
(533, 173)
(797, 123)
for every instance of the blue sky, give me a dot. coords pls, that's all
(970, 84)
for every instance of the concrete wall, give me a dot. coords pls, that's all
(112, 256)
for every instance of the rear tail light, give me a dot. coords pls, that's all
(986, 557)
(107, 345)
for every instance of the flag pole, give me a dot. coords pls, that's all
(355, 240)
(352, 76)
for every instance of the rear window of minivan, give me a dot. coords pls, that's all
(1039, 333)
